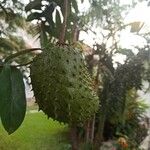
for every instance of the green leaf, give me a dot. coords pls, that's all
(127, 52)
(136, 26)
(75, 6)
(43, 37)
(8, 44)
(36, 4)
(47, 13)
(34, 16)
(12, 98)
(0, 67)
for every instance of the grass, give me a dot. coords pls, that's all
(36, 133)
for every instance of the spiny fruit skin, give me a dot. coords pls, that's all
(62, 85)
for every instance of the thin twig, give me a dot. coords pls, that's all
(3, 9)
(25, 64)
(25, 51)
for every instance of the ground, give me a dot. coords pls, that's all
(36, 133)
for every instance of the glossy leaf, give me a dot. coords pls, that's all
(12, 98)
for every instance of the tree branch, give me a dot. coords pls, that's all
(25, 64)
(25, 51)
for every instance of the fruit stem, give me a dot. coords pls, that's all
(64, 25)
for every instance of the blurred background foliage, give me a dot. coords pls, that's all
(115, 83)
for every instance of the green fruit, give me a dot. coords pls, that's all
(62, 85)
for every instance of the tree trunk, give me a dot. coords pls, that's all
(87, 132)
(74, 138)
(99, 134)
(75, 32)
(102, 113)
(92, 130)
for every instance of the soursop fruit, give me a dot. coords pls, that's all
(62, 85)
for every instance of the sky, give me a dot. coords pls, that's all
(140, 13)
